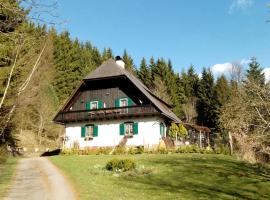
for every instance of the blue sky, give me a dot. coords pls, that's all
(202, 33)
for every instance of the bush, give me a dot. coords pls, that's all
(188, 149)
(222, 149)
(120, 165)
(135, 150)
(119, 150)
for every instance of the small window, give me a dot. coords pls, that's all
(94, 105)
(123, 102)
(129, 129)
(89, 131)
(162, 130)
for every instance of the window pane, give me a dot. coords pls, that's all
(128, 128)
(90, 130)
(123, 102)
(94, 105)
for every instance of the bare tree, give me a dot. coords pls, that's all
(236, 72)
(247, 117)
(189, 109)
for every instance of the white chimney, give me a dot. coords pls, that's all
(119, 61)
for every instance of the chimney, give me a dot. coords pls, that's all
(119, 61)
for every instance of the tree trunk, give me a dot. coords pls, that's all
(200, 136)
(230, 142)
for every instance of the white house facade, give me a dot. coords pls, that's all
(113, 108)
(145, 132)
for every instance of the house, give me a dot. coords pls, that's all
(112, 107)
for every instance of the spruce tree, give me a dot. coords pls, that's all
(254, 73)
(144, 73)
(207, 104)
(222, 90)
(107, 54)
(129, 64)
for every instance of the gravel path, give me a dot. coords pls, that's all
(38, 179)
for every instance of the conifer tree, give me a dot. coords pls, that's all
(222, 90)
(144, 73)
(107, 54)
(254, 72)
(207, 104)
(129, 64)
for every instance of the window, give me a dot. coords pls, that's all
(89, 131)
(94, 105)
(123, 102)
(129, 129)
(162, 130)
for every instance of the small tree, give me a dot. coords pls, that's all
(177, 130)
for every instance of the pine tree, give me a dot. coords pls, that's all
(207, 104)
(254, 73)
(222, 90)
(107, 54)
(175, 89)
(129, 64)
(144, 73)
(160, 69)
(189, 81)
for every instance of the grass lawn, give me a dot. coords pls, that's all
(7, 170)
(173, 176)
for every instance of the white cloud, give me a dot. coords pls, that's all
(244, 61)
(240, 5)
(218, 69)
(225, 68)
(266, 72)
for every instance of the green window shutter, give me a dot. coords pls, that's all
(122, 129)
(95, 133)
(130, 102)
(135, 128)
(116, 103)
(87, 105)
(100, 104)
(83, 129)
(161, 129)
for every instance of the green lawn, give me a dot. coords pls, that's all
(173, 176)
(7, 170)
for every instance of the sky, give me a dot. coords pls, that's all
(208, 33)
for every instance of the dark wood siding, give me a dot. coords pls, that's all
(107, 91)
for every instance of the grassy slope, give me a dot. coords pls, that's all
(177, 176)
(7, 170)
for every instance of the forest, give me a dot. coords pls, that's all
(40, 67)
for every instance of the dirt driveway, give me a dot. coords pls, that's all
(38, 179)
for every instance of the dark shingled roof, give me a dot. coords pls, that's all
(111, 69)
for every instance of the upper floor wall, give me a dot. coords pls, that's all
(110, 93)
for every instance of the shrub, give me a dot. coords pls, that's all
(222, 149)
(119, 150)
(136, 150)
(188, 149)
(120, 165)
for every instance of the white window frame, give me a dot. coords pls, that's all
(92, 103)
(128, 128)
(121, 100)
(89, 132)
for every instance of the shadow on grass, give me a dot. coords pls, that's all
(54, 152)
(213, 177)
